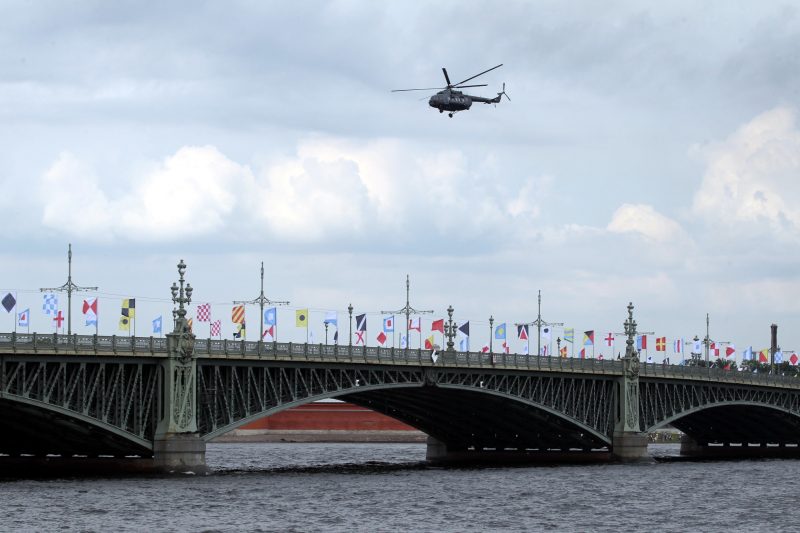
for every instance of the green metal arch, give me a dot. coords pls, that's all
(67, 413)
(699, 408)
(578, 423)
(224, 429)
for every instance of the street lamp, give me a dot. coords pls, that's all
(350, 312)
(491, 332)
(450, 329)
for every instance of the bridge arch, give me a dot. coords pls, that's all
(736, 421)
(35, 427)
(464, 416)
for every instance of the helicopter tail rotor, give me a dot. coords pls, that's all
(503, 93)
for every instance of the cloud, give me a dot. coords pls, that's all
(190, 193)
(645, 221)
(752, 181)
(385, 191)
(75, 204)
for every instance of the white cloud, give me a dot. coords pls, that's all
(191, 193)
(752, 181)
(379, 191)
(644, 220)
(74, 201)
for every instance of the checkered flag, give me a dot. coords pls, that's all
(204, 313)
(216, 327)
(50, 305)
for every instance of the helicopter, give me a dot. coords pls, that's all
(450, 100)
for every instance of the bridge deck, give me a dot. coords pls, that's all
(155, 347)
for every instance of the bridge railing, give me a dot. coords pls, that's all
(717, 374)
(78, 344)
(223, 348)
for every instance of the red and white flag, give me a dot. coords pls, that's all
(269, 333)
(609, 339)
(216, 327)
(413, 324)
(793, 359)
(730, 351)
(204, 313)
(381, 338)
(677, 346)
(714, 349)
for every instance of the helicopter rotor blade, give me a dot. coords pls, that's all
(466, 86)
(446, 77)
(428, 89)
(481, 74)
(504, 92)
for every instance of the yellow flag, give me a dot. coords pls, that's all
(129, 307)
(301, 318)
(191, 321)
(124, 323)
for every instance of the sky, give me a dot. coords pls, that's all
(650, 153)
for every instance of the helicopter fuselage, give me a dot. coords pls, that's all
(448, 100)
(452, 101)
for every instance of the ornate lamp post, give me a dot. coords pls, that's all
(326, 333)
(181, 296)
(350, 312)
(177, 444)
(558, 343)
(450, 329)
(491, 332)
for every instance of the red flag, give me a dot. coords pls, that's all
(485, 348)
(90, 304)
(429, 343)
(381, 338)
(438, 325)
(661, 344)
(730, 350)
(583, 353)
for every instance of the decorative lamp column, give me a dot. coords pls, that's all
(350, 312)
(629, 443)
(491, 332)
(558, 343)
(177, 444)
(450, 330)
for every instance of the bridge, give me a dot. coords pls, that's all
(162, 399)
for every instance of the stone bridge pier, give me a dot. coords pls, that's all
(177, 445)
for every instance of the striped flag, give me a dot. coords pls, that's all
(677, 346)
(237, 314)
(569, 335)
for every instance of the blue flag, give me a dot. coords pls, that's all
(157, 324)
(270, 316)
(500, 331)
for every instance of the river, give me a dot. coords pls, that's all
(387, 487)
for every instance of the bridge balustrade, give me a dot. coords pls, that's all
(224, 348)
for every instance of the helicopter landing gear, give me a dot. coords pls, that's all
(441, 111)
(450, 115)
